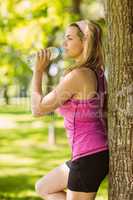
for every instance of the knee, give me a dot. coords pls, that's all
(40, 188)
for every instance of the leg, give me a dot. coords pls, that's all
(74, 195)
(52, 185)
(55, 196)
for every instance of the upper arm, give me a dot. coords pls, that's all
(62, 92)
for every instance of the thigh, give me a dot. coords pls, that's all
(73, 195)
(55, 181)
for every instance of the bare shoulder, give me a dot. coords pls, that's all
(77, 76)
(84, 74)
(85, 71)
(86, 83)
(72, 80)
(77, 73)
(71, 76)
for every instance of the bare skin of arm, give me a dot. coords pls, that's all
(69, 86)
(63, 91)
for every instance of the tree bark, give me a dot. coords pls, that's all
(120, 99)
(5, 94)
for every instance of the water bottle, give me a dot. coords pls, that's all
(55, 53)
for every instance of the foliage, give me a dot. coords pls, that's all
(26, 26)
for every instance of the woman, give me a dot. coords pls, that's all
(80, 97)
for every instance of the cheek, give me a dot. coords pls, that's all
(76, 48)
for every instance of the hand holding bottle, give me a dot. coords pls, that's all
(42, 60)
(53, 54)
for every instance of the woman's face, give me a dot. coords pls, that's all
(73, 45)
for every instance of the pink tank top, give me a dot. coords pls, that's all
(84, 122)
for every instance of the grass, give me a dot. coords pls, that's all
(25, 155)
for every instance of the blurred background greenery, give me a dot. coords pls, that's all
(26, 148)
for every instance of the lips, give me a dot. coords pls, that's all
(65, 49)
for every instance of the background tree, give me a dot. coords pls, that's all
(120, 100)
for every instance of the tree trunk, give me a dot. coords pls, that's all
(76, 6)
(5, 94)
(120, 99)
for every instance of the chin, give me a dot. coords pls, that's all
(66, 55)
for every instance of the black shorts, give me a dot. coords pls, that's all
(86, 173)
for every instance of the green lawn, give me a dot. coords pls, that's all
(25, 155)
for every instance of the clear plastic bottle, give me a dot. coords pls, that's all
(55, 53)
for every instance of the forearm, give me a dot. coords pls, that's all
(37, 82)
(43, 58)
(36, 92)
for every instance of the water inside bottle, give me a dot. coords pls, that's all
(55, 53)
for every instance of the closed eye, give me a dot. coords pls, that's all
(67, 37)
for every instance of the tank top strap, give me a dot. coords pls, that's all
(101, 80)
(97, 81)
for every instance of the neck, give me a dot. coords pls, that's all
(78, 58)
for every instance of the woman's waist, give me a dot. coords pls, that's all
(84, 155)
(83, 145)
(86, 139)
(84, 126)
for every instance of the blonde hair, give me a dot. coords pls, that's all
(92, 56)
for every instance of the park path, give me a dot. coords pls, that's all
(9, 122)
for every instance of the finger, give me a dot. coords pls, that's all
(48, 54)
(44, 55)
(39, 55)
